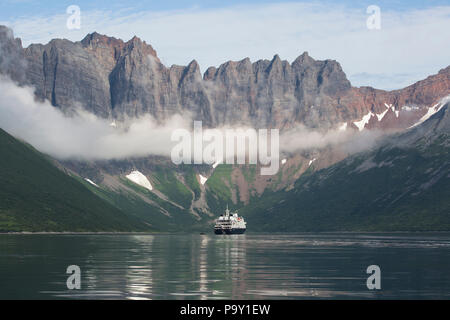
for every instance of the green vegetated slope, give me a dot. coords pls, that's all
(169, 185)
(37, 196)
(168, 207)
(219, 188)
(158, 214)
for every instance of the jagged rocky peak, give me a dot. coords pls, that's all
(8, 44)
(107, 49)
(6, 33)
(229, 68)
(176, 70)
(12, 60)
(209, 73)
(245, 64)
(276, 60)
(137, 43)
(193, 66)
(103, 45)
(95, 41)
(191, 72)
(303, 59)
(276, 65)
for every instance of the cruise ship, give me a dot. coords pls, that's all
(230, 223)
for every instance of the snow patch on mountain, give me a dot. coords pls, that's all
(432, 110)
(390, 106)
(91, 182)
(202, 179)
(365, 120)
(380, 116)
(140, 179)
(215, 164)
(343, 127)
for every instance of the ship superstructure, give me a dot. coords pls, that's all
(230, 223)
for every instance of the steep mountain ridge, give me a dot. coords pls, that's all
(402, 185)
(117, 79)
(35, 195)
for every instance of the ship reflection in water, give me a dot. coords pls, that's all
(250, 266)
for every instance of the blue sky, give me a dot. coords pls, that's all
(12, 9)
(413, 42)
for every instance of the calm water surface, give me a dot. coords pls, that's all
(250, 266)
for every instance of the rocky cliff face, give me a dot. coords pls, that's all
(117, 79)
(12, 60)
(402, 108)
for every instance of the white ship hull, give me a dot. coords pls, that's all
(230, 224)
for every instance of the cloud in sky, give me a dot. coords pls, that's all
(411, 44)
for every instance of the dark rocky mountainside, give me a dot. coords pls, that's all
(401, 186)
(36, 195)
(117, 79)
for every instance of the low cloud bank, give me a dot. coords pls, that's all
(84, 136)
(350, 141)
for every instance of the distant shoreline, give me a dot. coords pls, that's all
(205, 233)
